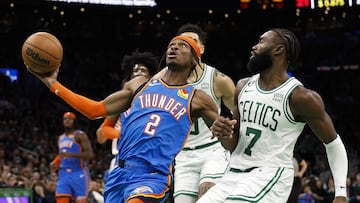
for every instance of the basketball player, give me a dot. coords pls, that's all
(159, 121)
(203, 160)
(136, 64)
(74, 150)
(270, 113)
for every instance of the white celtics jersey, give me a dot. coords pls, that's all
(268, 130)
(200, 133)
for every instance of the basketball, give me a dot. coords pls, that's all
(42, 52)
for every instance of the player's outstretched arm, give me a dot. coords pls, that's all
(113, 104)
(308, 106)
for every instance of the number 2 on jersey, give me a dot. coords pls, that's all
(257, 134)
(150, 127)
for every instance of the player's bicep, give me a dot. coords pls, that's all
(120, 101)
(225, 88)
(84, 141)
(308, 106)
(203, 106)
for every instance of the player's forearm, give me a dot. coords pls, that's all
(229, 143)
(110, 132)
(90, 108)
(108, 129)
(338, 163)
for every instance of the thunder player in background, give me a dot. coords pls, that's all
(203, 160)
(74, 150)
(136, 64)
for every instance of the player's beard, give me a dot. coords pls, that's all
(260, 62)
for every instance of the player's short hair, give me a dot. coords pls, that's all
(195, 29)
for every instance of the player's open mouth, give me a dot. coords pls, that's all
(171, 55)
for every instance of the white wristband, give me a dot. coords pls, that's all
(338, 163)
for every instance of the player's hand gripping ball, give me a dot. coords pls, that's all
(42, 52)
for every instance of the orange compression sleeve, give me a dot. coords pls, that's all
(90, 108)
(56, 161)
(109, 131)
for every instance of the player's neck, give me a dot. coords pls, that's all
(271, 79)
(175, 77)
(69, 131)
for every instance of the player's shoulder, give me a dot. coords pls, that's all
(303, 99)
(242, 82)
(221, 78)
(303, 94)
(80, 133)
(135, 83)
(306, 102)
(81, 136)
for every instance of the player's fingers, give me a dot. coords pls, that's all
(222, 127)
(233, 122)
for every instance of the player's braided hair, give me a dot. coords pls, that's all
(291, 43)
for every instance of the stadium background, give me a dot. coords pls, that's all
(96, 37)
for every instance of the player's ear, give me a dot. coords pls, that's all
(202, 49)
(279, 49)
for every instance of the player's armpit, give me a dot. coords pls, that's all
(90, 108)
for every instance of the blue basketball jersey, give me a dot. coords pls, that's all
(67, 143)
(157, 125)
(74, 175)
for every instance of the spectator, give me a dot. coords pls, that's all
(355, 190)
(306, 196)
(95, 193)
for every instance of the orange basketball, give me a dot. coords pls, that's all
(42, 52)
